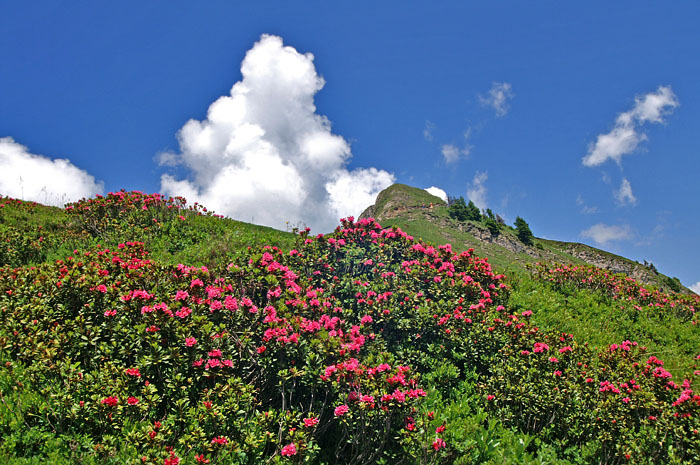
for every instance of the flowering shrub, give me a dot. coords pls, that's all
(621, 288)
(353, 347)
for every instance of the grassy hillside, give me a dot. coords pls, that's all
(590, 313)
(172, 231)
(426, 216)
(362, 346)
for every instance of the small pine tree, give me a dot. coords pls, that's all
(493, 226)
(458, 209)
(473, 212)
(523, 231)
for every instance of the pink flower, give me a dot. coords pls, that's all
(309, 422)
(183, 312)
(132, 400)
(540, 347)
(341, 410)
(133, 372)
(181, 295)
(490, 397)
(110, 401)
(438, 444)
(367, 399)
(289, 449)
(190, 341)
(221, 440)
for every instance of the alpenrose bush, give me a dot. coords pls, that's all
(131, 209)
(26, 244)
(619, 287)
(322, 354)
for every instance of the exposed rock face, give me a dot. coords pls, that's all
(507, 242)
(633, 270)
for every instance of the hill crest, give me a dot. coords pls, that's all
(425, 215)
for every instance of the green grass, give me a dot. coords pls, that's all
(601, 321)
(35, 233)
(590, 316)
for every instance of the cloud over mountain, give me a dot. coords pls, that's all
(37, 178)
(603, 233)
(476, 191)
(437, 192)
(263, 154)
(626, 135)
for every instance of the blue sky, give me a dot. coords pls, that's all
(581, 119)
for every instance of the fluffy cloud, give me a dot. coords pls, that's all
(624, 195)
(41, 179)
(498, 97)
(695, 288)
(626, 136)
(603, 233)
(263, 154)
(437, 192)
(476, 191)
(451, 153)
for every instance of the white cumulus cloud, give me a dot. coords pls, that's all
(624, 195)
(437, 192)
(603, 233)
(498, 97)
(695, 288)
(40, 179)
(263, 154)
(476, 191)
(626, 136)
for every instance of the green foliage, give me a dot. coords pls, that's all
(604, 308)
(360, 346)
(673, 283)
(461, 211)
(493, 226)
(523, 231)
(172, 231)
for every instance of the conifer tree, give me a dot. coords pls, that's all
(523, 231)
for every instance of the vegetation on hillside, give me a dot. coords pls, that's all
(409, 208)
(360, 346)
(172, 231)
